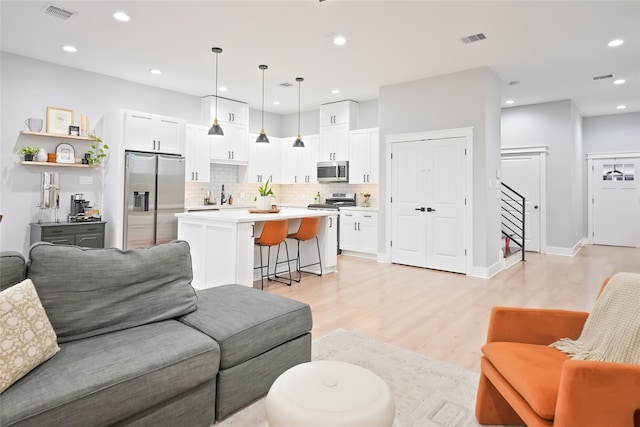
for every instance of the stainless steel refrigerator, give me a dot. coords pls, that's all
(154, 192)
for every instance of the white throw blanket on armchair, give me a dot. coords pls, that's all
(612, 330)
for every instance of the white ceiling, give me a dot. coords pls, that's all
(553, 48)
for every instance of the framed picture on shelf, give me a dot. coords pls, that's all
(59, 120)
(65, 154)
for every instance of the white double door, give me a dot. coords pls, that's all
(428, 215)
(615, 201)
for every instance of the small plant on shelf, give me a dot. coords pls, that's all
(97, 152)
(27, 152)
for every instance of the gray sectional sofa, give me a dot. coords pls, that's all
(140, 347)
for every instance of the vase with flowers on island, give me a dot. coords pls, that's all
(263, 200)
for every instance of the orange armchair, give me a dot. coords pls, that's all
(523, 381)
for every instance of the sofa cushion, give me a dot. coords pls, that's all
(247, 322)
(532, 370)
(13, 269)
(87, 292)
(26, 336)
(108, 378)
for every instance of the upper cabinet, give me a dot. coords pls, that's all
(264, 160)
(197, 153)
(299, 164)
(340, 112)
(232, 148)
(364, 156)
(153, 133)
(336, 120)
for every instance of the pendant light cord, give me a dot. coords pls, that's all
(263, 99)
(299, 82)
(216, 85)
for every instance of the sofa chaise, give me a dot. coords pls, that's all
(139, 346)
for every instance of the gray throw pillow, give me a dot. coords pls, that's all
(88, 292)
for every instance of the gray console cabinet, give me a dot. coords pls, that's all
(85, 234)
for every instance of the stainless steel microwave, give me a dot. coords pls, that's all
(333, 171)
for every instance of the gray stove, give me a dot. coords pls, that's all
(333, 203)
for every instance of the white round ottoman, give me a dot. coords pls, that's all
(329, 393)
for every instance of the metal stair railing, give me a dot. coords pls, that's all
(512, 205)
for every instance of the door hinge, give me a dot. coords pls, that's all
(593, 201)
(465, 201)
(390, 242)
(465, 151)
(391, 156)
(465, 252)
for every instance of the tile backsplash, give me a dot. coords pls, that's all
(286, 194)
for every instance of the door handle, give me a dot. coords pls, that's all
(420, 209)
(196, 176)
(535, 207)
(430, 210)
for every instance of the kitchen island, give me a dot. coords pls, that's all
(223, 250)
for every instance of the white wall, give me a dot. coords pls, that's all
(28, 87)
(611, 134)
(556, 125)
(467, 98)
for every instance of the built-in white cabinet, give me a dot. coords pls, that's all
(153, 133)
(233, 116)
(359, 231)
(299, 164)
(364, 156)
(197, 153)
(264, 161)
(340, 112)
(336, 120)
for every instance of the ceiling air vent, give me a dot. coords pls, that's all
(285, 84)
(58, 12)
(604, 76)
(473, 38)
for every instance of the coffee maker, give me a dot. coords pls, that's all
(78, 206)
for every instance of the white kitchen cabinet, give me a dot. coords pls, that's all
(340, 112)
(232, 148)
(359, 231)
(264, 161)
(153, 133)
(336, 120)
(364, 156)
(299, 164)
(334, 143)
(197, 153)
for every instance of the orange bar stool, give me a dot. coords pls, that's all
(308, 230)
(273, 234)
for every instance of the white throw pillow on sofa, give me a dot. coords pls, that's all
(27, 338)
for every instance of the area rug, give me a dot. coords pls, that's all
(427, 392)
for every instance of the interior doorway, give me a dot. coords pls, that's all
(524, 170)
(614, 198)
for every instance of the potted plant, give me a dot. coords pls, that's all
(97, 152)
(263, 201)
(27, 152)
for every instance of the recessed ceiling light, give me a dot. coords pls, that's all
(222, 88)
(69, 48)
(621, 107)
(339, 40)
(155, 71)
(122, 17)
(276, 102)
(335, 91)
(619, 81)
(509, 101)
(615, 42)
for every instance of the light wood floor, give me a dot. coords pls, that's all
(445, 315)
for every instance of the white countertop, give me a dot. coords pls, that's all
(243, 215)
(358, 208)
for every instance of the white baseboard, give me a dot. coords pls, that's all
(558, 250)
(359, 254)
(487, 272)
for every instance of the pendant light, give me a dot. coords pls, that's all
(298, 143)
(263, 136)
(216, 130)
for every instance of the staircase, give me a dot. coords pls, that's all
(512, 221)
